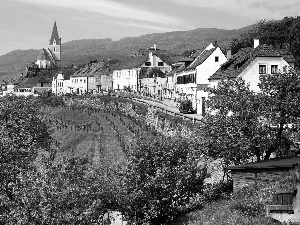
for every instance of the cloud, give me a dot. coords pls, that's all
(264, 9)
(113, 9)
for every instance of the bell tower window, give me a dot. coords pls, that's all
(54, 49)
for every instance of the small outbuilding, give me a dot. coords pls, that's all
(266, 170)
(285, 205)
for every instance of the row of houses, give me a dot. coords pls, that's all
(158, 73)
(93, 77)
(187, 77)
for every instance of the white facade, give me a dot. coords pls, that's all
(204, 71)
(79, 84)
(155, 61)
(194, 89)
(155, 86)
(43, 63)
(186, 90)
(170, 87)
(129, 77)
(60, 85)
(125, 78)
(251, 73)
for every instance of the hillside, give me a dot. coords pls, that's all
(79, 52)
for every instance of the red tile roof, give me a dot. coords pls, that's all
(269, 164)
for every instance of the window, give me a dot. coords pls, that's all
(274, 69)
(160, 63)
(147, 63)
(262, 69)
(83, 81)
(216, 58)
(80, 81)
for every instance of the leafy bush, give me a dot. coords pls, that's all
(53, 101)
(161, 177)
(248, 202)
(68, 193)
(215, 191)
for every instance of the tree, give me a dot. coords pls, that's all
(151, 72)
(24, 133)
(243, 124)
(70, 192)
(284, 33)
(36, 188)
(280, 94)
(161, 176)
(231, 125)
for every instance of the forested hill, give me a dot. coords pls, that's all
(79, 52)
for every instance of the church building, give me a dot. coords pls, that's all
(50, 57)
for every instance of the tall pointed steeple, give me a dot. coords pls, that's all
(54, 40)
(55, 45)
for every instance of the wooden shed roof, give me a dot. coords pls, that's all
(269, 164)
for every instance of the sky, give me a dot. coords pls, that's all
(27, 24)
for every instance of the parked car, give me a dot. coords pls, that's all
(186, 106)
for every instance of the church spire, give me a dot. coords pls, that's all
(55, 40)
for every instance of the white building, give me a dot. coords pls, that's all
(61, 84)
(192, 80)
(251, 63)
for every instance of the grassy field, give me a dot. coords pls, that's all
(221, 213)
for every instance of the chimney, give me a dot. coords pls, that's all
(216, 44)
(228, 54)
(154, 46)
(256, 43)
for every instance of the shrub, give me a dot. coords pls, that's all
(247, 201)
(161, 178)
(215, 191)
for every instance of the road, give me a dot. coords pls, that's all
(171, 109)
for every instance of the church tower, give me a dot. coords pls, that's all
(55, 45)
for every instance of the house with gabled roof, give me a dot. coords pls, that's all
(33, 85)
(128, 73)
(285, 205)
(177, 67)
(94, 77)
(251, 63)
(61, 83)
(192, 79)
